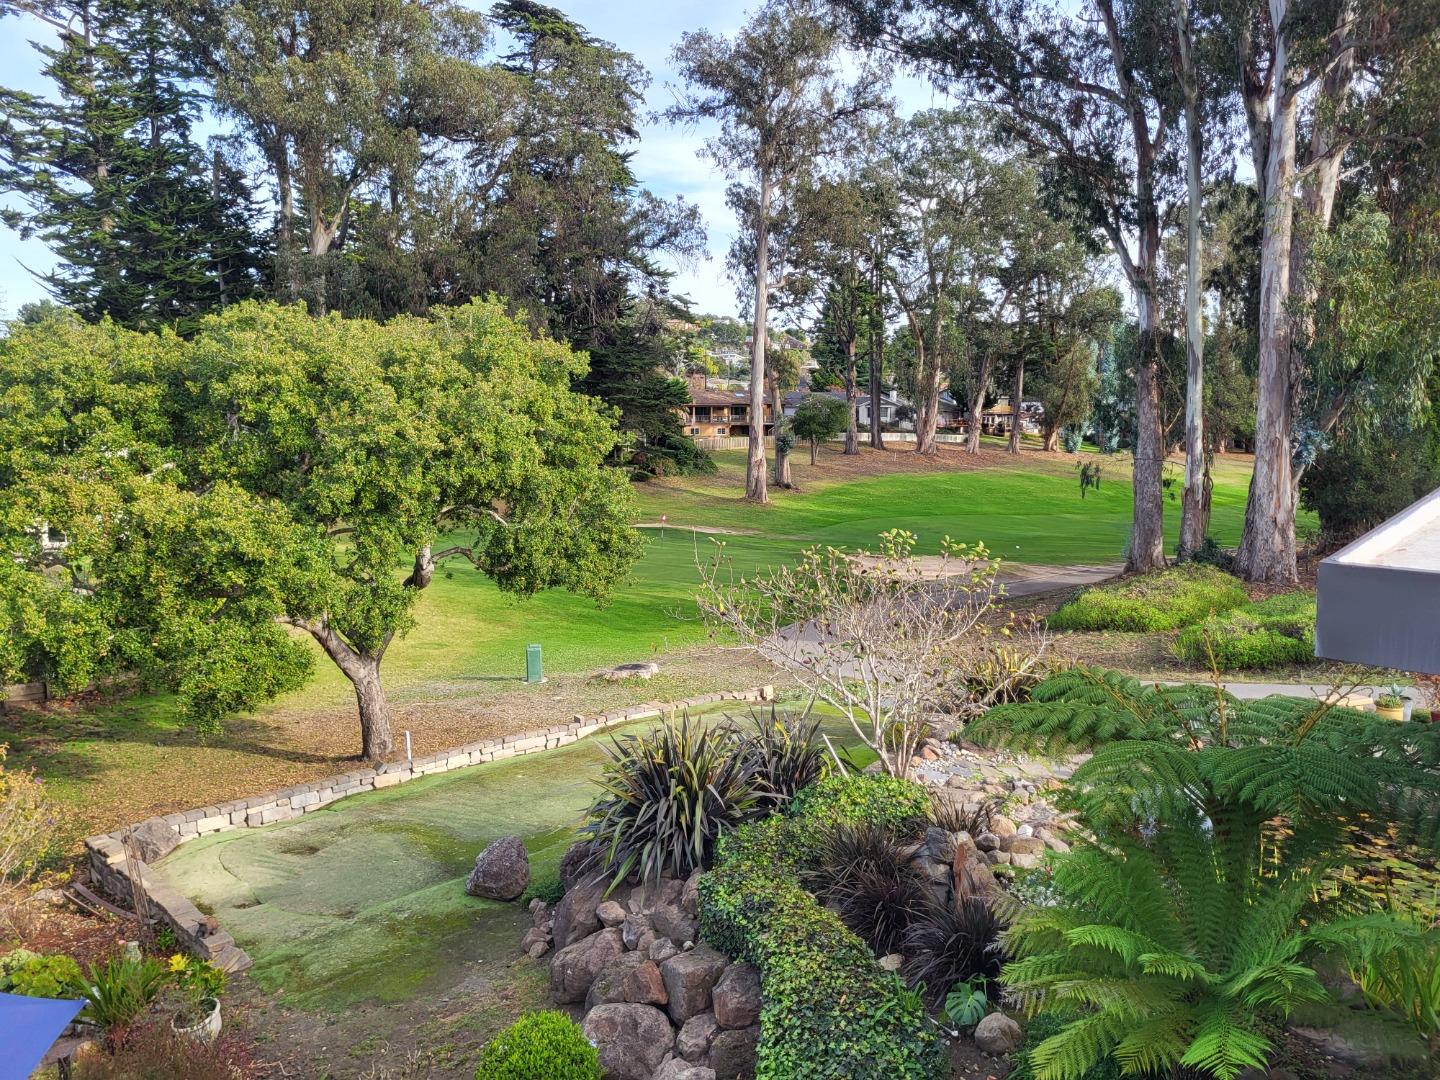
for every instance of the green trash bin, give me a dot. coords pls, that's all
(533, 670)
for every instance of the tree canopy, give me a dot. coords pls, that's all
(280, 473)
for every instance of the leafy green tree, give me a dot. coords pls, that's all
(280, 472)
(147, 228)
(820, 418)
(338, 97)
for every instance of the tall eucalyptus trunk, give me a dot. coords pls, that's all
(1193, 509)
(755, 468)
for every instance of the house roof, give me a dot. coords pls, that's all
(719, 397)
(1002, 409)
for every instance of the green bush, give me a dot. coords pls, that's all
(32, 975)
(863, 799)
(544, 885)
(1166, 600)
(827, 1007)
(540, 1046)
(1272, 633)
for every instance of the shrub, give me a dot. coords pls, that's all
(118, 992)
(947, 944)
(864, 799)
(784, 754)
(951, 815)
(1271, 633)
(859, 872)
(827, 1008)
(668, 795)
(1166, 600)
(544, 885)
(539, 1046)
(31, 975)
(27, 826)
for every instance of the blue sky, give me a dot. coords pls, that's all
(668, 160)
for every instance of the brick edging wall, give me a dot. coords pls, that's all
(116, 873)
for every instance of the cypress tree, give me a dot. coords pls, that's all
(146, 226)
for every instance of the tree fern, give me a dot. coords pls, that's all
(1190, 916)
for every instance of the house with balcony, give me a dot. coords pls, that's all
(720, 413)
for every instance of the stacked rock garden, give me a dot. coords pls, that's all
(657, 1004)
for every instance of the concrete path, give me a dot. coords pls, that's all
(1252, 691)
(1022, 579)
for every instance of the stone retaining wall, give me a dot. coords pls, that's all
(114, 870)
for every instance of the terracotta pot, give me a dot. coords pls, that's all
(204, 1030)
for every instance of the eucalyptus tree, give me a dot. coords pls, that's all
(1091, 94)
(1347, 76)
(838, 223)
(778, 93)
(949, 187)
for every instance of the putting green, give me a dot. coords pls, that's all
(364, 900)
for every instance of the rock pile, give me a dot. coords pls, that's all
(657, 1005)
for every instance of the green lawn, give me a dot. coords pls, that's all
(468, 630)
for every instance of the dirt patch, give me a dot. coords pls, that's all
(127, 759)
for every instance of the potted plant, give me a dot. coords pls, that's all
(197, 986)
(1391, 704)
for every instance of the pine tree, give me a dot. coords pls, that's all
(145, 227)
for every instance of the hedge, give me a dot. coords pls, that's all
(1271, 633)
(1165, 600)
(827, 1007)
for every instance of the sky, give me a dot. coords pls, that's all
(668, 160)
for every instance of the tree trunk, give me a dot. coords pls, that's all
(755, 469)
(1267, 545)
(976, 414)
(1193, 509)
(376, 742)
(877, 364)
(1147, 531)
(1017, 395)
(783, 478)
(814, 449)
(1052, 440)
(852, 433)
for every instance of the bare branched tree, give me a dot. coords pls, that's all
(888, 639)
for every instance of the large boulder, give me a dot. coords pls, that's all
(671, 921)
(689, 978)
(632, 1039)
(575, 916)
(736, 997)
(732, 1053)
(693, 1043)
(1023, 845)
(576, 966)
(153, 840)
(998, 1034)
(501, 871)
(609, 984)
(610, 913)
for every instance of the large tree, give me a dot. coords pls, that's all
(777, 93)
(146, 226)
(337, 97)
(1091, 94)
(1324, 84)
(282, 474)
(948, 223)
